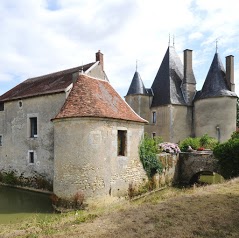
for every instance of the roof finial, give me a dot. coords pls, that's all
(169, 39)
(136, 65)
(216, 45)
(173, 40)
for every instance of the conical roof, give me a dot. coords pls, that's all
(167, 83)
(136, 86)
(215, 84)
(92, 97)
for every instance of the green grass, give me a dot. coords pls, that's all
(209, 211)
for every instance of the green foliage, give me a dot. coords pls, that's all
(147, 151)
(235, 135)
(228, 157)
(193, 142)
(9, 178)
(205, 141)
(208, 142)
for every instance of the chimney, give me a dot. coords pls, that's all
(100, 57)
(189, 82)
(230, 72)
(188, 68)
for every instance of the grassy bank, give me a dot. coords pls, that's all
(210, 211)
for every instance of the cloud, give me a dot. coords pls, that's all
(39, 37)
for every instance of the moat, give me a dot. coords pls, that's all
(18, 204)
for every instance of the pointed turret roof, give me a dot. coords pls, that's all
(91, 97)
(137, 85)
(167, 83)
(215, 84)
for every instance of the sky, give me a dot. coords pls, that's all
(44, 36)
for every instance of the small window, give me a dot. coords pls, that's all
(1, 106)
(122, 143)
(153, 135)
(154, 117)
(20, 104)
(33, 127)
(0, 140)
(31, 157)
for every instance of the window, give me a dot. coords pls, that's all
(33, 127)
(153, 135)
(154, 117)
(1, 106)
(20, 104)
(31, 157)
(0, 140)
(122, 142)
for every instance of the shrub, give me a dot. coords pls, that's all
(208, 142)
(228, 157)
(147, 152)
(10, 178)
(235, 135)
(169, 147)
(199, 143)
(193, 142)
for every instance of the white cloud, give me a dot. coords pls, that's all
(44, 36)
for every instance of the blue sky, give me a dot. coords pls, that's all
(44, 36)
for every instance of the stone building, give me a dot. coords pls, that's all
(173, 107)
(74, 130)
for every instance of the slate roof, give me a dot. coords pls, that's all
(215, 84)
(137, 86)
(46, 84)
(167, 83)
(92, 97)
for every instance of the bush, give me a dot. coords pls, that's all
(147, 152)
(193, 142)
(208, 142)
(169, 147)
(228, 157)
(199, 142)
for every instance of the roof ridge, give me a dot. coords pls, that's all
(65, 71)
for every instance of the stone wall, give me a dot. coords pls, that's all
(215, 117)
(191, 164)
(14, 126)
(86, 158)
(173, 122)
(169, 162)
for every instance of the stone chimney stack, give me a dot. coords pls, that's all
(189, 82)
(230, 72)
(100, 57)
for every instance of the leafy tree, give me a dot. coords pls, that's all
(228, 157)
(148, 150)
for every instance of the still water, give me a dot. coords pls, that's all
(211, 179)
(17, 204)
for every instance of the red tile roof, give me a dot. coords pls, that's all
(46, 84)
(91, 97)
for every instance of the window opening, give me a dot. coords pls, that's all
(33, 127)
(0, 140)
(122, 142)
(154, 117)
(31, 157)
(1, 106)
(153, 135)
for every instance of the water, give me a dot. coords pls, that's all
(17, 204)
(210, 179)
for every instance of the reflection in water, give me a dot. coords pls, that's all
(16, 204)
